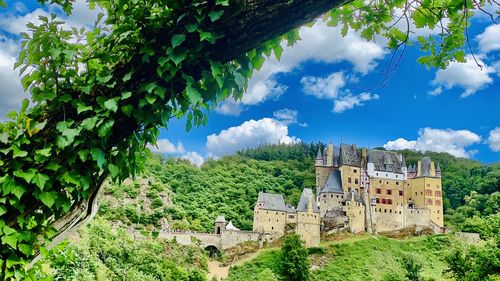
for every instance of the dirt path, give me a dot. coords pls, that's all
(216, 270)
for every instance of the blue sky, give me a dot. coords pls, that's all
(323, 89)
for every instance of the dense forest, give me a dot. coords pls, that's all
(173, 193)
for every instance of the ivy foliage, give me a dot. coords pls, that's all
(99, 96)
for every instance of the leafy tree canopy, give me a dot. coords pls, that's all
(99, 96)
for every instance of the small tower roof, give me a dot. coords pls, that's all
(334, 183)
(306, 198)
(403, 161)
(319, 156)
(220, 218)
(230, 226)
(438, 169)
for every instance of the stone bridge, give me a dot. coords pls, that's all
(210, 241)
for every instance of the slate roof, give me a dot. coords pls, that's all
(270, 201)
(438, 169)
(412, 168)
(348, 155)
(334, 183)
(304, 199)
(319, 156)
(220, 218)
(425, 166)
(355, 195)
(381, 157)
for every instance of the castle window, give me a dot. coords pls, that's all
(379, 190)
(416, 193)
(348, 180)
(389, 201)
(400, 212)
(437, 193)
(397, 183)
(377, 200)
(331, 195)
(385, 210)
(401, 193)
(386, 175)
(383, 201)
(429, 201)
(272, 227)
(386, 182)
(389, 191)
(397, 177)
(428, 185)
(428, 192)
(379, 181)
(355, 171)
(324, 195)
(438, 202)
(276, 213)
(390, 211)
(356, 181)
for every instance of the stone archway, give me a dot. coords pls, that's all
(212, 251)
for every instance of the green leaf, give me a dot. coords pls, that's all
(222, 2)
(4, 137)
(8, 230)
(40, 180)
(150, 87)
(43, 152)
(25, 249)
(2, 4)
(18, 190)
(278, 50)
(193, 94)
(177, 39)
(114, 170)
(98, 155)
(18, 152)
(126, 95)
(48, 198)
(215, 15)
(10, 240)
(89, 123)
(105, 129)
(127, 76)
(80, 107)
(111, 104)
(127, 110)
(3, 209)
(27, 175)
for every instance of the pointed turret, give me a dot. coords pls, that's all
(403, 162)
(388, 164)
(438, 171)
(319, 158)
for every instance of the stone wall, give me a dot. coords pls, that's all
(352, 173)
(330, 201)
(230, 238)
(308, 228)
(355, 211)
(269, 221)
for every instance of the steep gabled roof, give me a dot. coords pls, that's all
(306, 197)
(349, 155)
(380, 158)
(230, 226)
(319, 156)
(270, 201)
(334, 183)
(425, 166)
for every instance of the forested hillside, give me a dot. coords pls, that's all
(175, 194)
(188, 197)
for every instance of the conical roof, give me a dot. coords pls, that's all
(230, 226)
(319, 156)
(220, 218)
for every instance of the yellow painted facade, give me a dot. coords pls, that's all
(351, 179)
(426, 192)
(389, 194)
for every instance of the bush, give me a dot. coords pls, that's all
(295, 260)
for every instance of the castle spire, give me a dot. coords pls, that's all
(318, 155)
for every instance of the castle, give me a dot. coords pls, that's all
(357, 190)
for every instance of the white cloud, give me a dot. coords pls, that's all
(400, 144)
(16, 24)
(436, 92)
(165, 146)
(489, 40)
(331, 87)
(288, 117)
(454, 142)
(11, 91)
(349, 101)
(194, 158)
(467, 76)
(319, 43)
(251, 133)
(494, 139)
(323, 88)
